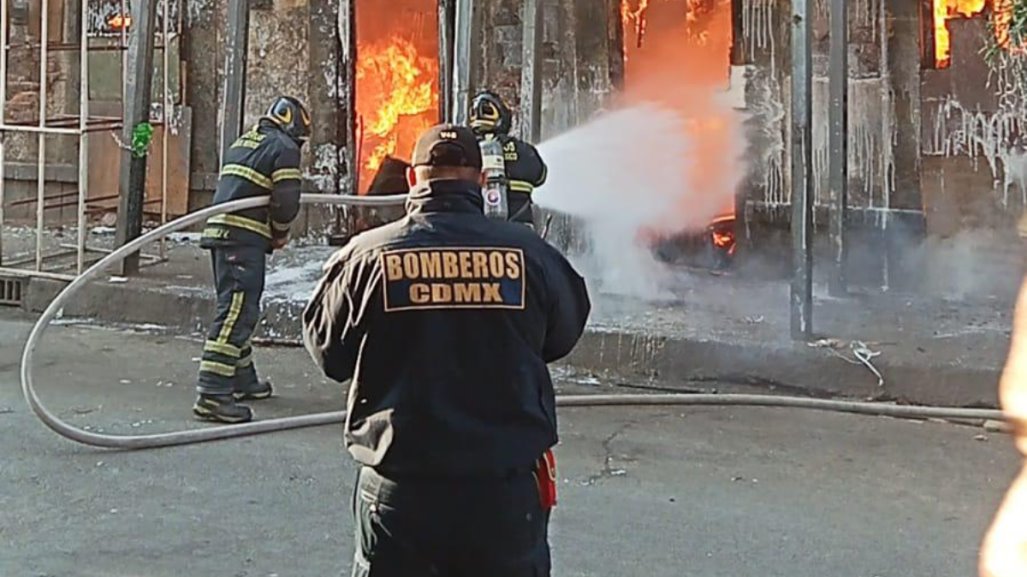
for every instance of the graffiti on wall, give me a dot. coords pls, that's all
(994, 138)
(984, 120)
(870, 113)
(758, 26)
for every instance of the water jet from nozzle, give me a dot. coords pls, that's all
(628, 176)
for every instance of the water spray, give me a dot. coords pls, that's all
(632, 175)
(187, 437)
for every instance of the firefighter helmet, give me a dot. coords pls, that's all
(291, 116)
(489, 114)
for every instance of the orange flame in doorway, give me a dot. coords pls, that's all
(684, 65)
(396, 101)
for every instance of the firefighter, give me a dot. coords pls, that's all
(264, 161)
(445, 321)
(525, 169)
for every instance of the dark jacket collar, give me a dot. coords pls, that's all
(445, 196)
(267, 125)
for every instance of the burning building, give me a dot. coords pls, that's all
(936, 94)
(675, 53)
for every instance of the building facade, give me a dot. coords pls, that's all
(934, 125)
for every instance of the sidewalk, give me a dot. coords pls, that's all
(728, 329)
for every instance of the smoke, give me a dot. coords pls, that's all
(618, 175)
(665, 161)
(626, 177)
(970, 265)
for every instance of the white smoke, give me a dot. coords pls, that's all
(623, 173)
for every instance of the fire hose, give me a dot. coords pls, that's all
(186, 437)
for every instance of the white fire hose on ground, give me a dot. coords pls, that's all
(313, 420)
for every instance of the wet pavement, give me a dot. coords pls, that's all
(662, 492)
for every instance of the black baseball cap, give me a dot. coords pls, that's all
(447, 145)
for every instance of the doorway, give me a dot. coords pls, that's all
(396, 85)
(677, 54)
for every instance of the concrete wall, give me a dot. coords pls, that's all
(946, 142)
(973, 122)
(292, 50)
(578, 41)
(765, 52)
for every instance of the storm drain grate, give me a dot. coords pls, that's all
(10, 291)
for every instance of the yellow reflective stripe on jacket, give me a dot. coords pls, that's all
(521, 186)
(286, 174)
(242, 222)
(247, 173)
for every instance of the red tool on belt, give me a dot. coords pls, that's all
(545, 478)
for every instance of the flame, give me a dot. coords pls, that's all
(118, 22)
(634, 19)
(1002, 17)
(629, 15)
(945, 10)
(722, 233)
(724, 239)
(396, 99)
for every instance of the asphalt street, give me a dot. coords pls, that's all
(661, 492)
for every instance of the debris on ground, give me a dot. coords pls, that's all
(860, 351)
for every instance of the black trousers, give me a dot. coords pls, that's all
(227, 362)
(467, 527)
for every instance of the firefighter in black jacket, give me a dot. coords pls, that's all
(525, 170)
(445, 321)
(262, 162)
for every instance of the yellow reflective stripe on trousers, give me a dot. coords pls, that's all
(242, 222)
(521, 186)
(247, 359)
(286, 174)
(247, 173)
(233, 316)
(217, 368)
(222, 348)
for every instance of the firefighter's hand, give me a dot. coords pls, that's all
(279, 242)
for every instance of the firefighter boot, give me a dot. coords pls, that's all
(255, 392)
(222, 409)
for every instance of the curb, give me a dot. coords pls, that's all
(796, 369)
(672, 363)
(114, 303)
